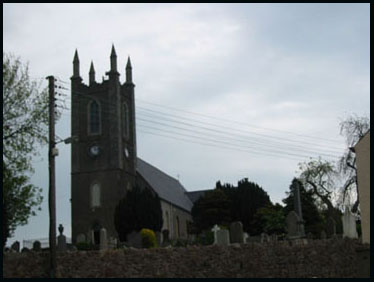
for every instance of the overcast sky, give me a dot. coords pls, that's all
(279, 76)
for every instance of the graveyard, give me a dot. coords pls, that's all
(233, 254)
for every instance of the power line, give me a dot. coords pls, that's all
(238, 122)
(246, 136)
(215, 141)
(217, 146)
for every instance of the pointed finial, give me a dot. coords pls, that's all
(113, 53)
(76, 64)
(128, 71)
(92, 70)
(92, 74)
(76, 59)
(113, 60)
(128, 65)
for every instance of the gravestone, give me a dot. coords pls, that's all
(112, 243)
(293, 225)
(223, 237)
(265, 238)
(330, 227)
(81, 238)
(236, 232)
(61, 240)
(103, 239)
(349, 225)
(15, 246)
(323, 235)
(215, 230)
(36, 246)
(309, 235)
(245, 237)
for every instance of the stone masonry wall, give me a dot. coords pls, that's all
(319, 258)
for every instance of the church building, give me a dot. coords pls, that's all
(104, 158)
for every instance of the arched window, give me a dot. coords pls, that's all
(94, 117)
(125, 120)
(95, 195)
(167, 220)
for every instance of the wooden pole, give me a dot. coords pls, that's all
(52, 177)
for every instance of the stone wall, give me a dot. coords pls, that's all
(319, 258)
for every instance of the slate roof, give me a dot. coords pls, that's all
(167, 187)
(195, 195)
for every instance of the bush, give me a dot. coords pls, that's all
(148, 238)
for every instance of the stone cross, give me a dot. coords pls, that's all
(349, 224)
(215, 230)
(236, 232)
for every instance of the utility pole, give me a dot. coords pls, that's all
(52, 177)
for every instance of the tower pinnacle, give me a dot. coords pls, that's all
(92, 74)
(76, 64)
(128, 71)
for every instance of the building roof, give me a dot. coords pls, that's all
(167, 187)
(195, 195)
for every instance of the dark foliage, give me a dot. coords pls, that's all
(139, 209)
(212, 208)
(246, 199)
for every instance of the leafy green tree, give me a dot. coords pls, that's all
(140, 208)
(269, 219)
(212, 208)
(311, 215)
(19, 198)
(25, 125)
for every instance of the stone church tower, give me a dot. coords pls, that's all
(104, 156)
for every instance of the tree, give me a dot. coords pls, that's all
(311, 215)
(269, 219)
(318, 176)
(140, 208)
(19, 198)
(210, 209)
(25, 120)
(246, 199)
(353, 128)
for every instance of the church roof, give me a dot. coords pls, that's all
(195, 195)
(167, 187)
